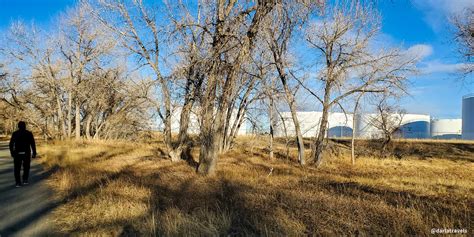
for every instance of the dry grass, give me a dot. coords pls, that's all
(454, 141)
(119, 188)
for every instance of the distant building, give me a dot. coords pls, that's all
(468, 117)
(194, 123)
(446, 128)
(341, 125)
(411, 126)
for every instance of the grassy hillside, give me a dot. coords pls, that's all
(129, 188)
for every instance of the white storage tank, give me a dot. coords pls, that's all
(411, 125)
(194, 123)
(309, 123)
(446, 128)
(468, 117)
(364, 127)
(340, 125)
(415, 126)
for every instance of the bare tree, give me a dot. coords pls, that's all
(387, 120)
(464, 36)
(271, 107)
(349, 64)
(40, 88)
(120, 104)
(38, 79)
(82, 43)
(142, 33)
(270, 92)
(190, 69)
(278, 33)
(233, 27)
(285, 131)
(247, 91)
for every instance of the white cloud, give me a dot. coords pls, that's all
(383, 41)
(419, 51)
(432, 67)
(438, 12)
(435, 66)
(446, 6)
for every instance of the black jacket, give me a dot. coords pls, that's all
(22, 141)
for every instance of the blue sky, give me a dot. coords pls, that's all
(417, 24)
(42, 12)
(425, 25)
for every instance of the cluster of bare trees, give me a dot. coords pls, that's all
(110, 65)
(66, 83)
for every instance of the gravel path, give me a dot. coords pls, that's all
(24, 211)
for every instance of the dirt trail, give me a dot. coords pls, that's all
(24, 211)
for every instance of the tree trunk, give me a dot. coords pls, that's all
(294, 117)
(60, 118)
(175, 154)
(78, 120)
(291, 103)
(167, 124)
(212, 130)
(385, 142)
(166, 96)
(193, 85)
(69, 115)
(224, 109)
(212, 127)
(354, 129)
(227, 129)
(285, 130)
(242, 110)
(45, 131)
(234, 130)
(353, 136)
(88, 126)
(299, 137)
(270, 113)
(318, 145)
(319, 141)
(208, 153)
(224, 129)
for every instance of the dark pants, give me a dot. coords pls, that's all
(20, 160)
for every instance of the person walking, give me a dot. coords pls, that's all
(22, 143)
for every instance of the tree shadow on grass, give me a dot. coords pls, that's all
(431, 207)
(39, 200)
(224, 204)
(197, 205)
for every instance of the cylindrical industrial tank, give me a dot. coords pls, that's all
(340, 125)
(309, 123)
(468, 117)
(364, 126)
(415, 126)
(446, 128)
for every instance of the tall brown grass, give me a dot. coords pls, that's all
(121, 188)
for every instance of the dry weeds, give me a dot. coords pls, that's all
(119, 188)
